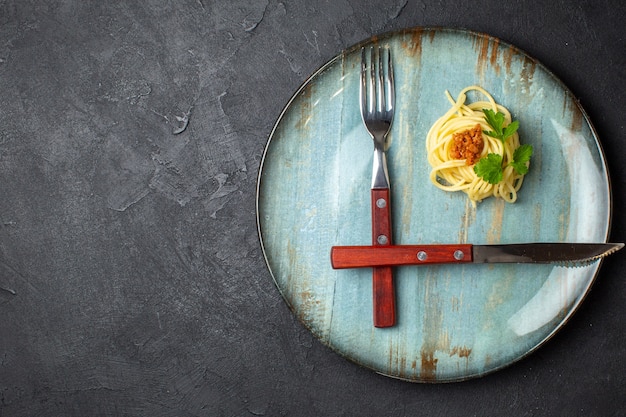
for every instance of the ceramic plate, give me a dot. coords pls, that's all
(454, 322)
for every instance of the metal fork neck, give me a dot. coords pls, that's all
(380, 174)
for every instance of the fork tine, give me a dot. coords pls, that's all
(371, 91)
(390, 84)
(363, 85)
(380, 92)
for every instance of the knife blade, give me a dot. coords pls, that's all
(564, 254)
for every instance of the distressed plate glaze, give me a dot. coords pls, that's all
(454, 322)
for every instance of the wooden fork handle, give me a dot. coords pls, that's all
(384, 300)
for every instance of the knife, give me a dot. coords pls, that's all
(564, 254)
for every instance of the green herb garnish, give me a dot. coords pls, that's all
(489, 168)
(520, 158)
(496, 120)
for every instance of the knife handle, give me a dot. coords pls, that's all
(384, 300)
(342, 257)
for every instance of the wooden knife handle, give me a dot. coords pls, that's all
(342, 257)
(383, 289)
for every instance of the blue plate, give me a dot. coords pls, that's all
(454, 322)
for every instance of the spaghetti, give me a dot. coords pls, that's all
(453, 147)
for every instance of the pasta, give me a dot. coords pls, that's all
(450, 171)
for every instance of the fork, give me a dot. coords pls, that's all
(377, 99)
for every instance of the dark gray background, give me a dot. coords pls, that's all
(131, 278)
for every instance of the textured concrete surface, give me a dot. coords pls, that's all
(131, 277)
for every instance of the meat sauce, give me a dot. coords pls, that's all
(468, 145)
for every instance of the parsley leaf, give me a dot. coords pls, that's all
(520, 157)
(489, 168)
(510, 129)
(496, 120)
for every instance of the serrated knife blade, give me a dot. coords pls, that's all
(563, 254)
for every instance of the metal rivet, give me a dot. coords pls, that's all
(422, 256)
(382, 240)
(381, 203)
(458, 254)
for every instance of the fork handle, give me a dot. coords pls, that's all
(384, 300)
